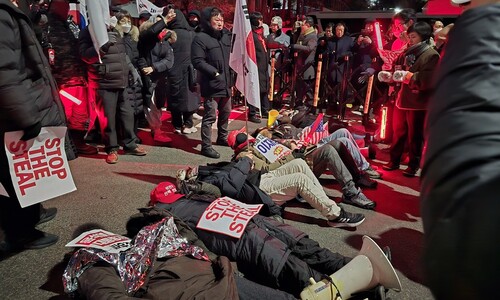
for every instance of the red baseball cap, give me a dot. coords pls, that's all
(165, 192)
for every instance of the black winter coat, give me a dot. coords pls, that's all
(153, 52)
(260, 253)
(238, 182)
(180, 98)
(113, 72)
(460, 176)
(134, 91)
(210, 55)
(28, 92)
(262, 63)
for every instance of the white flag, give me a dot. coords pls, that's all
(243, 59)
(98, 15)
(145, 5)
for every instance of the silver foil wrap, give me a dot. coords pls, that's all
(158, 240)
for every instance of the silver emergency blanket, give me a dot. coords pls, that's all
(159, 240)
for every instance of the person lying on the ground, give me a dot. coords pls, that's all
(166, 260)
(348, 153)
(289, 128)
(234, 179)
(292, 182)
(268, 252)
(290, 176)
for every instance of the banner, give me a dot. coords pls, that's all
(145, 5)
(228, 216)
(101, 239)
(39, 168)
(242, 58)
(271, 149)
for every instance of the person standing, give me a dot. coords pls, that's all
(210, 57)
(460, 175)
(29, 100)
(416, 67)
(108, 80)
(306, 48)
(182, 103)
(256, 20)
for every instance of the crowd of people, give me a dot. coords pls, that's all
(180, 62)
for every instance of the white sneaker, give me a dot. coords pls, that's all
(178, 131)
(187, 130)
(197, 116)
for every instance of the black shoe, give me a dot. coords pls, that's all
(347, 219)
(222, 143)
(210, 152)
(43, 241)
(254, 119)
(390, 166)
(410, 172)
(47, 214)
(265, 115)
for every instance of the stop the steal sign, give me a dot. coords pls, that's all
(228, 216)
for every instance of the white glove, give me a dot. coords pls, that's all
(399, 76)
(384, 76)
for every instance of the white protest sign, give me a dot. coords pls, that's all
(228, 216)
(101, 239)
(39, 168)
(272, 150)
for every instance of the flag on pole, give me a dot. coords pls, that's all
(145, 5)
(242, 58)
(311, 135)
(99, 19)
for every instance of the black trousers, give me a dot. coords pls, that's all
(307, 260)
(113, 106)
(223, 105)
(408, 127)
(180, 119)
(16, 222)
(264, 106)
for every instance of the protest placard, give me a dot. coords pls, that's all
(272, 150)
(39, 168)
(101, 239)
(228, 216)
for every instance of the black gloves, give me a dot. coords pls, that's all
(112, 39)
(31, 132)
(299, 153)
(137, 77)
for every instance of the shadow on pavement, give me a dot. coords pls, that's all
(406, 247)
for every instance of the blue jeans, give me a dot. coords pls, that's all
(343, 135)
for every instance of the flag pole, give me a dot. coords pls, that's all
(245, 103)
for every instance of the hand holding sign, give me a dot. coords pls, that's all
(39, 168)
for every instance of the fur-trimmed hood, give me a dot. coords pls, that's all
(134, 32)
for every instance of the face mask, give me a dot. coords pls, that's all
(126, 28)
(194, 23)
